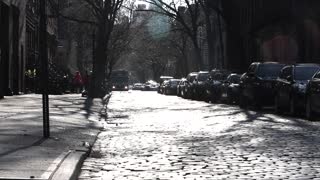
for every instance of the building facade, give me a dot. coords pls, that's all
(12, 46)
(286, 31)
(19, 44)
(33, 62)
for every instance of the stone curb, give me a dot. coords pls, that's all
(70, 167)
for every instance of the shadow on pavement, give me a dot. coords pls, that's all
(261, 133)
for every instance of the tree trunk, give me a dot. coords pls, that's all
(99, 64)
(198, 58)
(222, 63)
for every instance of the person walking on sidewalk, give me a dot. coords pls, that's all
(77, 82)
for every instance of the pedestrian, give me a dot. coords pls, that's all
(77, 82)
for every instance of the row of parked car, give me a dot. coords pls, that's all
(289, 89)
(147, 86)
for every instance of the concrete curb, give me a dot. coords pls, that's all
(70, 167)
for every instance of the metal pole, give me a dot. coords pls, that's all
(44, 68)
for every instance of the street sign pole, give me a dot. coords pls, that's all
(44, 68)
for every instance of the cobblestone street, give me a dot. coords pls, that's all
(152, 136)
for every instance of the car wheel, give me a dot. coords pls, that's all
(292, 108)
(277, 106)
(309, 112)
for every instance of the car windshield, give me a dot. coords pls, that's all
(174, 83)
(304, 73)
(234, 79)
(269, 70)
(203, 76)
(219, 77)
(192, 77)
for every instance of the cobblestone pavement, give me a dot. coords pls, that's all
(151, 136)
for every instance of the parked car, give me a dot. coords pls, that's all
(291, 87)
(181, 87)
(137, 86)
(230, 89)
(162, 86)
(161, 81)
(170, 87)
(151, 86)
(257, 85)
(313, 98)
(198, 84)
(189, 85)
(213, 84)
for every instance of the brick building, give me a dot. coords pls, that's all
(270, 30)
(32, 41)
(19, 43)
(12, 46)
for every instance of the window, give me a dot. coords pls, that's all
(252, 69)
(269, 70)
(287, 71)
(317, 75)
(304, 73)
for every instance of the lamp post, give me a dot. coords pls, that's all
(44, 68)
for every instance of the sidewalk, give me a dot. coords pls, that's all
(24, 154)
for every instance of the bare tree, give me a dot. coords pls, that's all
(119, 43)
(188, 19)
(103, 17)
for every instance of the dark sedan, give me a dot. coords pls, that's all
(230, 89)
(170, 87)
(181, 87)
(257, 85)
(291, 87)
(161, 81)
(313, 98)
(199, 91)
(213, 84)
(162, 87)
(188, 90)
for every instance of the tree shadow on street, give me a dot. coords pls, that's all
(23, 129)
(260, 133)
(87, 107)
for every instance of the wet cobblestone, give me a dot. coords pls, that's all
(151, 136)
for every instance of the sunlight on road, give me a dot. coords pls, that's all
(152, 136)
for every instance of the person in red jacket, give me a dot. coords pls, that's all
(77, 82)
